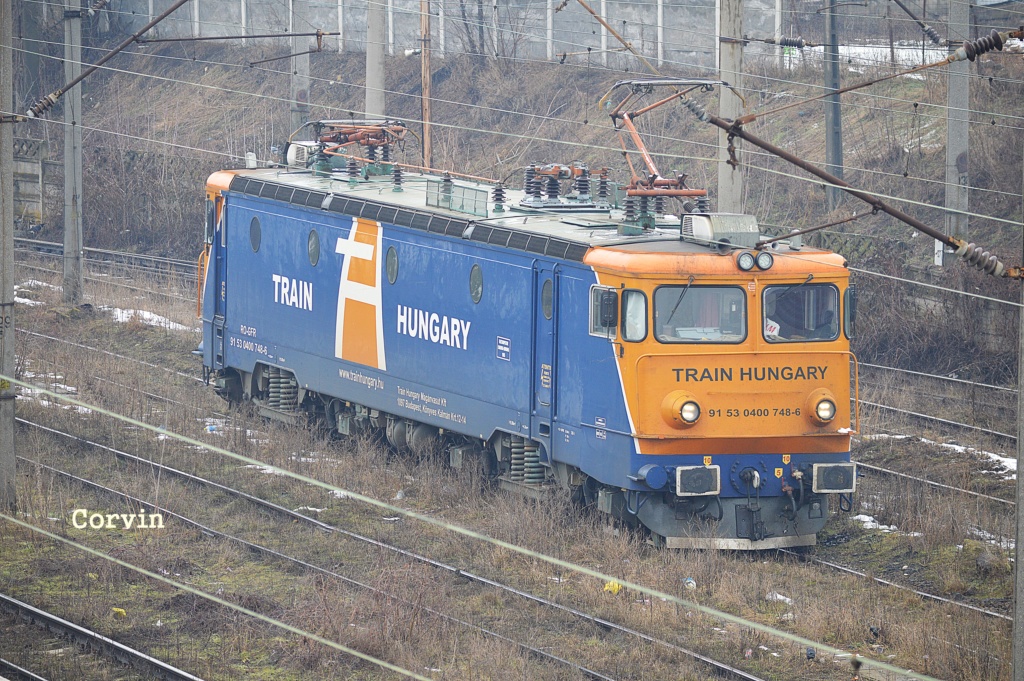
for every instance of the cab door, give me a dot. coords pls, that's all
(545, 296)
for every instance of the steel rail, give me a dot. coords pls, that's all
(111, 282)
(22, 673)
(90, 639)
(925, 481)
(182, 266)
(258, 548)
(886, 582)
(719, 667)
(109, 353)
(940, 420)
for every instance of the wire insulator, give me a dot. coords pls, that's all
(553, 190)
(583, 183)
(983, 260)
(993, 41)
(385, 153)
(396, 176)
(703, 204)
(630, 209)
(602, 187)
(659, 205)
(498, 194)
(796, 42)
(696, 109)
(352, 168)
(371, 153)
(932, 34)
(690, 207)
(528, 174)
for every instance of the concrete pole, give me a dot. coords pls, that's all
(7, 455)
(73, 282)
(375, 37)
(957, 131)
(390, 7)
(778, 35)
(300, 71)
(730, 60)
(604, 34)
(440, 29)
(1018, 570)
(550, 31)
(341, 26)
(243, 10)
(661, 32)
(425, 79)
(833, 113)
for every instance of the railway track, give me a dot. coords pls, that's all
(150, 263)
(598, 624)
(83, 639)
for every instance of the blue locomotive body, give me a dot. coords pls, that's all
(512, 335)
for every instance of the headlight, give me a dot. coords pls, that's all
(764, 260)
(690, 412)
(745, 261)
(825, 410)
(680, 409)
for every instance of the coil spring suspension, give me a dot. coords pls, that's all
(283, 392)
(983, 260)
(517, 468)
(533, 471)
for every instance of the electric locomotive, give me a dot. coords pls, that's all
(678, 370)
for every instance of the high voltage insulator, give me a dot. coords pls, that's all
(699, 111)
(797, 42)
(932, 34)
(971, 49)
(983, 260)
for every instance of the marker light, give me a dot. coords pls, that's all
(825, 410)
(689, 412)
(765, 260)
(745, 261)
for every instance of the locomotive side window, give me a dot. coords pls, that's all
(211, 220)
(850, 311)
(476, 283)
(603, 321)
(634, 315)
(391, 264)
(255, 234)
(313, 244)
(547, 299)
(801, 312)
(700, 314)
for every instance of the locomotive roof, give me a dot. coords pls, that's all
(565, 233)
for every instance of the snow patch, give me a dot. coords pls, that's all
(145, 317)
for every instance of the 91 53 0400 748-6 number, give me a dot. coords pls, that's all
(763, 411)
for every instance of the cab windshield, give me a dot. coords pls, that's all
(801, 312)
(700, 314)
